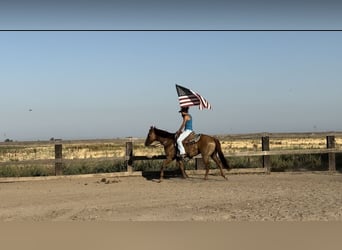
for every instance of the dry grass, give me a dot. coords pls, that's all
(13, 152)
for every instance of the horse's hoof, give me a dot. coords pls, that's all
(156, 181)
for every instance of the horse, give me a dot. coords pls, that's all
(207, 146)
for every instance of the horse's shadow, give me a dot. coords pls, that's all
(174, 175)
(168, 174)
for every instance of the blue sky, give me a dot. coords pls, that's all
(85, 85)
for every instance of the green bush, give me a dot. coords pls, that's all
(25, 171)
(245, 162)
(76, 167)
(91, 166)
(297, 163)
(281, 162)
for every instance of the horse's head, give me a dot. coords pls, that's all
(151, 136)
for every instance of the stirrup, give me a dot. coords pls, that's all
(183, 157)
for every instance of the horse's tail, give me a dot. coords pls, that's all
(221, 155)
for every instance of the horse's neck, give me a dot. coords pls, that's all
(165, 141)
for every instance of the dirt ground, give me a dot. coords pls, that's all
(243, 197)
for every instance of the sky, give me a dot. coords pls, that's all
(100, 84)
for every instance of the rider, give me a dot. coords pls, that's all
(184, 130)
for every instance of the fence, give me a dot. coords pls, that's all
(265, 153)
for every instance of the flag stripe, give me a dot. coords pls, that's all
(203, 102)
(189, 100)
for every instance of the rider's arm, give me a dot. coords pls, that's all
(185, 119)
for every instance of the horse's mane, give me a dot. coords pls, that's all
(163, 133)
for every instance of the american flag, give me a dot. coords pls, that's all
(187, 98)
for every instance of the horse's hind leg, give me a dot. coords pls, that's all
(181, 166)
(206, 164)
(218, 163)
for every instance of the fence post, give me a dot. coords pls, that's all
(331, 156)
(129, 156)
(199, 164)
(58, 157)
(266, 159)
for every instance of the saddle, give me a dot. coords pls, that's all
(192, 138)
(190, 142)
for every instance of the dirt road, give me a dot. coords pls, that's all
(249, 197)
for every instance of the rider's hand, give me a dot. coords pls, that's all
(178, 133)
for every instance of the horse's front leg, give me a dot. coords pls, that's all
(165, 163)
(180, 163)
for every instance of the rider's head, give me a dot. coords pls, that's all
(184, 110)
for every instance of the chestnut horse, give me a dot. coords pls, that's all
(206, 146)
